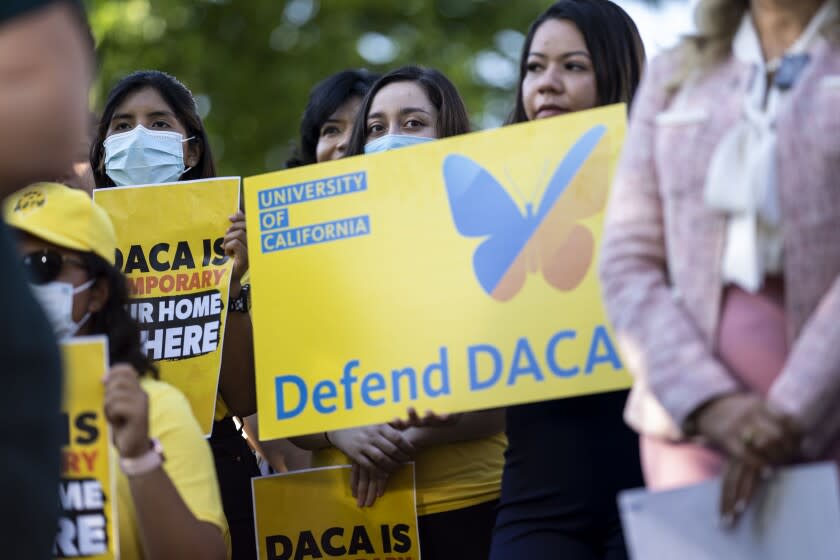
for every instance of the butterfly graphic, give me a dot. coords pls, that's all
(550, 239)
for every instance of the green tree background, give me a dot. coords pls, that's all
(252, 63)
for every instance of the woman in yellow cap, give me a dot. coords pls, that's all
(167, 508)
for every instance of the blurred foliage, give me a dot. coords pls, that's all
(252, 63)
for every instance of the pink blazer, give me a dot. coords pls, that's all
(661, 257)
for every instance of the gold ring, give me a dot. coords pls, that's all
(748, 437)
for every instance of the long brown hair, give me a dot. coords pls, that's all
(179, 98)
(326, 98)
(613, 41)
(452, 114)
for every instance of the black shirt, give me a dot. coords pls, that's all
(29, 404)
(565, 463)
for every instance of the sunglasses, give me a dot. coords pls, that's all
(45, 265)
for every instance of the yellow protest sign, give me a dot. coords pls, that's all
(312, 514)
(87, 489)
(170, 240)
(455, 275)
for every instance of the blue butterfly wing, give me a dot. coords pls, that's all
(568, 168)
(481, 207)
(479, 204)
(492, 259)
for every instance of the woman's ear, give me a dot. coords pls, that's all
(99, 294)
(193, 152)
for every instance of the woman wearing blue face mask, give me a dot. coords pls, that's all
(458, 462)
(408, 106)
(150, 132)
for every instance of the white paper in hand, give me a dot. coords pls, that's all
(795, 516)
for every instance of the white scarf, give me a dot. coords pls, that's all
(741, 179)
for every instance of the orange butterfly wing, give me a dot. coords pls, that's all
(513, 280)
(566, 248)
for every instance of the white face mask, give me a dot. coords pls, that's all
(56, 299)
(394, 141)
(144, 157)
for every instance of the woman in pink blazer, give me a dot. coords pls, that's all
(721, 257)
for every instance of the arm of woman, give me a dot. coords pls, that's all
(808, 387)
(379, 448)
(311, 442)
(467, 427)
(237, 380)
(367, 485)
(659, 341)
(167, 525)
(282, 454)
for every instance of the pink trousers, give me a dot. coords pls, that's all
(752, 343)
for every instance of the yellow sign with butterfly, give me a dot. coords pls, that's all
(451, 276)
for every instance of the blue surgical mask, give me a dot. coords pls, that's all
(394, 141)
(144, 157)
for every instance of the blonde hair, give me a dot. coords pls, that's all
(717, 22)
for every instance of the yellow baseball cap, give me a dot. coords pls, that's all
(63, 216)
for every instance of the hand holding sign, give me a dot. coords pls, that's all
(236, 245)
(366, 485)
(127, 411)
(379, 448)
(428, 420)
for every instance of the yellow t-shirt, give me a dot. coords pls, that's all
(449, 476)
(189, 465)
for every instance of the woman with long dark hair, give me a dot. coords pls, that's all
(458, 465)
(445, 116)
(152, 117)
(157, 102)
(329, 116)
(169, 506)
(567, 459)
